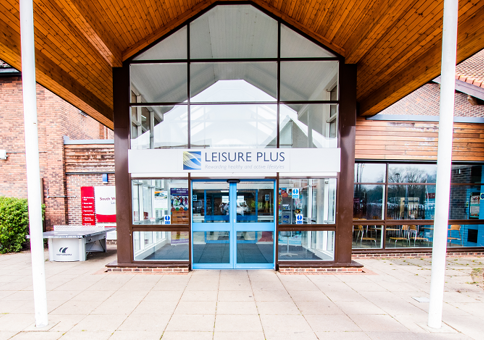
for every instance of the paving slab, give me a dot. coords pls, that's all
(86, 303)
(237, 308)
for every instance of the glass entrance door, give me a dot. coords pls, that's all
(233, 224)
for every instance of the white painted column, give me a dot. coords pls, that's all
(32, 160)
(444, 162)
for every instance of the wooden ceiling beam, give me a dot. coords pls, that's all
(81, 14)
(374, 27)
(54, 78)
(470, 40)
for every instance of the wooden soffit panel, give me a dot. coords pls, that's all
(396, 44)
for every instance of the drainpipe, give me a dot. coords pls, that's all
(444, 162)
(32, 161)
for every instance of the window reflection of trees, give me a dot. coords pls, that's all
(412, 174)
(368, 202)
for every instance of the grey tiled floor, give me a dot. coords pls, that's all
(86, 303)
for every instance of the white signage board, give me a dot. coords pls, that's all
(105, 198)
(234, 160)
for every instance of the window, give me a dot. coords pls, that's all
(307, 201)
(160, 201)
(160, 245)
(308, 126)
(408, 192)
(183, 96)
(306, 246)
(158, 127)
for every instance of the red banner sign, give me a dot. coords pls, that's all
(87, 206)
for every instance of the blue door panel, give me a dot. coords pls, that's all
(228, 251)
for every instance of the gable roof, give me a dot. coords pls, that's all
(396, 45)
(425, 101)
(472, 70)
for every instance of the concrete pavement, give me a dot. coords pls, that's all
(84, 302)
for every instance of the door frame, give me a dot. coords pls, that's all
(233, 227)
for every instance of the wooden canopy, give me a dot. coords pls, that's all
(395, 43)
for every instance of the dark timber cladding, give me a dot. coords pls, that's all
(344, 205)
(121, 146)
(396, 44)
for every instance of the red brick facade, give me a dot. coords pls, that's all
(56, 119)
(426, 100)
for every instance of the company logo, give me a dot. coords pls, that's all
(63, 250)
(192, 160)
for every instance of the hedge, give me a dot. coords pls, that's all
(14, 223)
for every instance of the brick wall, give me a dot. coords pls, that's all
(74, 184)
(425, 102)
(56, 118)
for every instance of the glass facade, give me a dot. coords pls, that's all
(306, 246)
(160, 201)
(182, 95)
(367, 236)
(307, 201)
(255, 202)
(234, 78)
(402, 196)
(161, 245)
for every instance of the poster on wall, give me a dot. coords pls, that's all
(105, 199)
(179, 205)
(87, 206)
(474, 207)
(179, 198)
(161, 199)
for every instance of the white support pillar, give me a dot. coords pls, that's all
(32, 160)
(444, 162)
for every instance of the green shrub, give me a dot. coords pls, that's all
(14, 223)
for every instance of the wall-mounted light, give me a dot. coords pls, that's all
(105, 178)
(3, 154)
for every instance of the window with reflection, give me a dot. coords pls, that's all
(411, 202)
(172, 47)
(467, 173)
(308, 80)
(210, 202)
(412, 173)
(170, 86)
(307, 201)
(160, 245)
(255, 202)
(308, 126)
(233, 82)
(465, 235)
(159, 83)
(160, 201)
(230, 126)
(368, 202)
(294, 45)
(306, 245)
(228, 32)
(466, 202)
(159, 127)
(370, 173)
